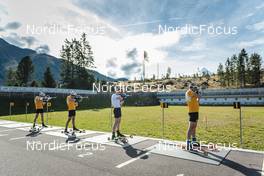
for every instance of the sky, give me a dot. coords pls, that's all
(181, 34)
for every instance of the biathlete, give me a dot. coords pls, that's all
(192, 98)
(72, 104)
(116, 102)
(39, 103)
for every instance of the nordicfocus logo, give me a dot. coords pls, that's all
(66, 29)
(136, 87)
(199, 146)
(189, 29)
(62, 146)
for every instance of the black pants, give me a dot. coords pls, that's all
(193, 116)
(72, 113)
(117, 112)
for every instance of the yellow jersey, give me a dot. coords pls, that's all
(38, 102)
(71, 103)
(192, 101)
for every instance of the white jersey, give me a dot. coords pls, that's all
(187, 97)
(115, 101)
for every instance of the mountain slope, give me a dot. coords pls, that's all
(99, 76)
(10, 56)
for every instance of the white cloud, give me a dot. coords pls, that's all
(181, 65)
(3, 9)
(260, 6)
(105, 47)
(43, 13)
(252, 43)
(198, 58)
(257, 26)
(114, 44)
(249, 15)
(198, 44)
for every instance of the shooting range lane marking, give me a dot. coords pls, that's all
(17, 138)
(175, 150)
(147, 150)
(59, 133)
(15, 125)
(7, 130)
(42, 129)
(2, 122)
(103, 139)
(85, 154)
(262, 172)
(131, 160)
(247, 150)
(3, 135)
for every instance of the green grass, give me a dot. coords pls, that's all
(222, 123)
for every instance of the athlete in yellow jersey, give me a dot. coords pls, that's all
(71, 103)
(39, 103)
(192, 98)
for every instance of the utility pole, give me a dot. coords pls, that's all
(158, 71)
(145, 58)
(143, 76)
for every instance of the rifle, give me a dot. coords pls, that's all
(47, 98)
(197, 90)
(79, 98)
(124, 96)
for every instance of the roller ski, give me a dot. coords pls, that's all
(120, 138)
(119, 135)
(36, 128)
(199, 150)
(203, 150)
(34, 131)
(123, 138)
(72, 138)
(73, 130)
(78, 130)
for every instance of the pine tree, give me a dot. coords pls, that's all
(248, 71)
(34, 84)
(85, 53)
(86, 80)
(233, 70)
(241, 68)
(67, 68)
(84, 59)
(227, 72)
(78, 56)
(11, 77)
(256, 61)
(48, 79)
(168, 73)
(153, 77)
(221, 74)
(24, 71)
